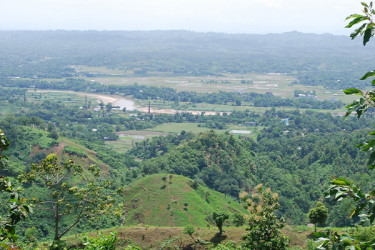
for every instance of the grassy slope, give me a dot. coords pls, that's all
(149, 201)
(58, 149)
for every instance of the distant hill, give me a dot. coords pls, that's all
(314, 59)
(174, 202)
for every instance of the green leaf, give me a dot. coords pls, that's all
(355, 21)
(364, 4)
(357, 31)
(368, 74)
(367, 35)
(353, 16)
(340, 181)
(352, 91)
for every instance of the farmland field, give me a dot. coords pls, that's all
(178, 127)
(128, 138)
(278, 83)
(66, 97)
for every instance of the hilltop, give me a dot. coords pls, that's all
(174, 200)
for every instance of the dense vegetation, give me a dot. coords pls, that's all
(293, 152)
(294, 160)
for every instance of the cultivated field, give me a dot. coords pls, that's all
(277, 83)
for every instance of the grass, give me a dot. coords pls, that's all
(229, 82)
(279, 84)
(69, 99)
(174, 127)
(128, 138)
(174, 202)
(154, 237)
(63, 156)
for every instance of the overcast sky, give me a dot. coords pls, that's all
(229, 16)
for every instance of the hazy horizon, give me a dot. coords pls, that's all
(219, 16)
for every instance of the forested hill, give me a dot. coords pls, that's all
(314, 59)
(297, 162)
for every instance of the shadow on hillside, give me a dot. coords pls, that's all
(218, 238)
(189, 247)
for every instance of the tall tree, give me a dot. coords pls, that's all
(72, 191)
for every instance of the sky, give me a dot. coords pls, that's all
(228, 16)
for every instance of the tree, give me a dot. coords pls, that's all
(318, 214)
(190, 230)
(72, 192)
(164, 178)
(18, 207)
(341, 188)
(238, 220)
(109, 106)
(219, 219)
(264, 226)
(101, 104)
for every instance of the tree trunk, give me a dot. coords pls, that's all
(57, 222)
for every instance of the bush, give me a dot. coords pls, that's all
(105, 242)
(71, 150)
(264, 226)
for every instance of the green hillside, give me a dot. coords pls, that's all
(174, 202)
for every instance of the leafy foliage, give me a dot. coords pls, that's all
(318, 214)
(342, 188)
(190, 230)
(100, 242)
(219, 219)
(18, 208)
(264, 226)
(71, 191)
(333, 240)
